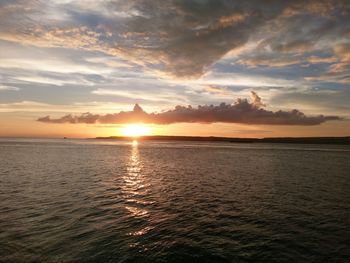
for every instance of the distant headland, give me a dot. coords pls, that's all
(297, 140)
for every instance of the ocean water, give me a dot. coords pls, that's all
(109, 201)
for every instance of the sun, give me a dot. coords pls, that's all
(135, 130)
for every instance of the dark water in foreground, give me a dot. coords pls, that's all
(104, 201)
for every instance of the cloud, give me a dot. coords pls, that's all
(241, 111)
(35, 106)
(50, 81)
(333, 101)
(217, 90)
(317, 60)
(339, 71)
(270, 60)
(257, 102)
(5, 87)
(165, 96)
(181, 38)
(240, 80)
(51, 65)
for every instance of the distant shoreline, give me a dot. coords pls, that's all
(296, 140)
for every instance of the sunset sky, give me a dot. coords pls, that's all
(193, 67)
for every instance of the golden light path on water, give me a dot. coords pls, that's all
(136, 188)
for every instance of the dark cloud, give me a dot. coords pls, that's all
(241, 111)
(186, 37)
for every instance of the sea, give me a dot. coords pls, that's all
(87, 200)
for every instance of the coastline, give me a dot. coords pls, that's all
(294, 140)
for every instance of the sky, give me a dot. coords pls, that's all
(257, 68)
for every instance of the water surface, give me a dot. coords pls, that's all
(109, 201)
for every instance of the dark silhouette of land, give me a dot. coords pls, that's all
(298, 140)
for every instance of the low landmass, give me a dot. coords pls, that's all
(298, 140)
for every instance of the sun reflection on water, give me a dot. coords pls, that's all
(135, 187)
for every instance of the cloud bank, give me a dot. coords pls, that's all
(241, 111)
(172, 35)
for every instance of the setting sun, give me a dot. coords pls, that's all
(135, 130)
